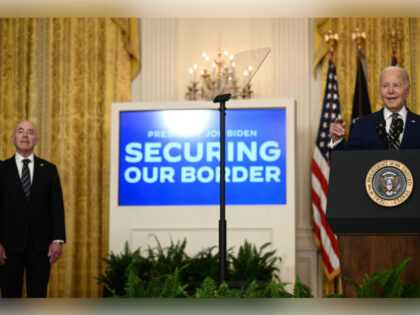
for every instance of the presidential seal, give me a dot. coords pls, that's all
(389, 183)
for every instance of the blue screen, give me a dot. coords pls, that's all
(171, 157)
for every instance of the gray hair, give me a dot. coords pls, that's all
(407, 78)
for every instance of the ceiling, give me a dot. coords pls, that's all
(213, 8)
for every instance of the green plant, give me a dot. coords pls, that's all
(411, 290)
(225, 292)
(277, 290)
(166, 260)
(387, 283)
(335, 295)
(165, 286)
(170, 272)
(251, 264)
(301, 290)
(114, 277)
(254, 290)
(204, 264)
(209, 289)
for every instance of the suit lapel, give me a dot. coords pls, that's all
(13, 168)
(14, 174)
(38, 165)
(410, 126)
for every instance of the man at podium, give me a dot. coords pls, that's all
(393, 127)
(371, 207)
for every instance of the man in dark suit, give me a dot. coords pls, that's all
(31, 217)
(375, 131)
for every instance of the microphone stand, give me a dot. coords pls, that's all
(381, 131)
(222, 99)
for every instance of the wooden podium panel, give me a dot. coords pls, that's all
(362, 254)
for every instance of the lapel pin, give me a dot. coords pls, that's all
(42, 164)
(413, 121)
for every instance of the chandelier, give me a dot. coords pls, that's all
(220, 78)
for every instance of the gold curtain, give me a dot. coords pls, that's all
(63, 74)
(377, 49)
(378, 52)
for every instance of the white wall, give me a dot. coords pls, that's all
(170, 46)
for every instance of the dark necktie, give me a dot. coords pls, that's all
(26, 178)
(394, 138)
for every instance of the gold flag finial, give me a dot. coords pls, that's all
(395, 36)
(359, 37)
(331, 39)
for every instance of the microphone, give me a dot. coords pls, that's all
(380, 128)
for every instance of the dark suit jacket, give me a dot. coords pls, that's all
(41, 219)
(364, 136)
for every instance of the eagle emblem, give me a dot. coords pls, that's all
(389, 183)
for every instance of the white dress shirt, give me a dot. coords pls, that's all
(19, 158)
(388, 119)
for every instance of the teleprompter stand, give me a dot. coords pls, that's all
(222, 99)
(248, 61)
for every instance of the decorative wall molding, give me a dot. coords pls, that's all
(158, 61)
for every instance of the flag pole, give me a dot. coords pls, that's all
(361, 103)
(324, 237)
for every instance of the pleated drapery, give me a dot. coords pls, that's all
(63, 74)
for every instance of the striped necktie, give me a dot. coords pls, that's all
(394, 137)
(26, 178)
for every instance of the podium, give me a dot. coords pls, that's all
(372, 236)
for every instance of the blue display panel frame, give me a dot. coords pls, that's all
(171, 157)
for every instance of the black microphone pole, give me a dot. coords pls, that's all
(381, 131)
(222, 99)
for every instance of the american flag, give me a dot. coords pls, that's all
(324, 237)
